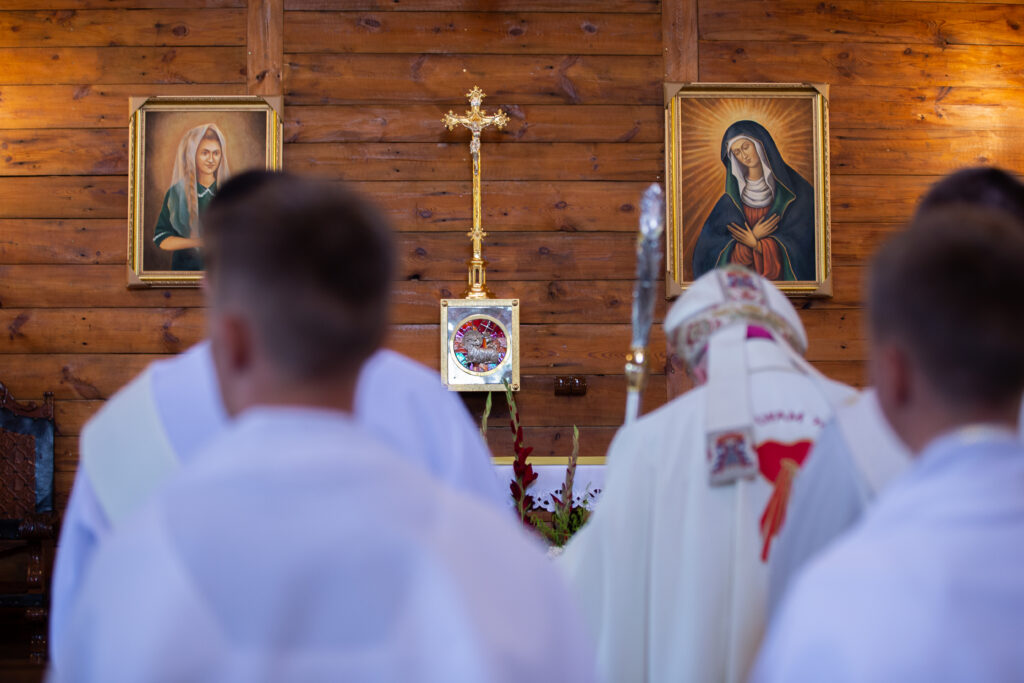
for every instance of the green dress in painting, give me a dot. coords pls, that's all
(174, 222)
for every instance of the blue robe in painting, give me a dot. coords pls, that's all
(793, 202)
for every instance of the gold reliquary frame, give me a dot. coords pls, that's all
(480, 344)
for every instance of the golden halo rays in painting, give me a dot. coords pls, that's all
(704, 122)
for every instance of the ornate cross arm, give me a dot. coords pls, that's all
(476, 120)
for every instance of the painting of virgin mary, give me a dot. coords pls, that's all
(764, 220)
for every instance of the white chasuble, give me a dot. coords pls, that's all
(162, 419)
(927, 586)
(298, 547)
(670, 572)
(855, 457)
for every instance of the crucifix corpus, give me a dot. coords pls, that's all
(479, 334)
(476, 120)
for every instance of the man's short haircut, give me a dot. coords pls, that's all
(983, 186)
(310, 263)
(951, 287)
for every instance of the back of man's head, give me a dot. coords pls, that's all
(950, 291)
(983, 186)
(308, 264)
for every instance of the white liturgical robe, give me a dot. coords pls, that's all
(163, 417)
(927, 587)
(669, 572)
(297, 547)
(856, 456)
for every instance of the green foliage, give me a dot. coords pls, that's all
(567, 518)
(483, 418)
(564, 523)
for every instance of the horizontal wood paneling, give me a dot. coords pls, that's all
(83, 286)
(88, 376)
(56, 241)
(940, 107)
(851, 63)
(37, 107)
(569, 206)
(421, 123)
(87, 151)
(81, 65)
(623, 6)
(100, 330)
(119, 4)
(415, 300)
(435, 256)
(523, 79)
(104, 151)
(893, 151)
(556, 161)
(64, 197)
(492, 33)
(429, 206)
(546, 349)
(865, 21)
(879, 199)
(523, 256)
(111, 28)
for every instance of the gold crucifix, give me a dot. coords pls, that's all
(476, 120)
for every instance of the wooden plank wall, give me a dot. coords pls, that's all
(365, 89)
(918, 88)
(69, 325)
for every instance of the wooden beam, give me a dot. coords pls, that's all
(679, 39)
(265, 47)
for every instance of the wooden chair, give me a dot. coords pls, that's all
(28, 524)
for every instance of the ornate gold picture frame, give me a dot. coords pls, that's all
(181, 149)
(480, 344)
(747, 176)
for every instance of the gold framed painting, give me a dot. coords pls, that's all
(480, 344)
(181, 150)
(747, 171)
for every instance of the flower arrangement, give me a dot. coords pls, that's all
(522, 471)
(558, 526)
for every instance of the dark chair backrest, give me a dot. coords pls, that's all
(26, 458)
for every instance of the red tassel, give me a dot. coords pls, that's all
(775, 512)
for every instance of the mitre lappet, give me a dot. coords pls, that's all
(708, 326)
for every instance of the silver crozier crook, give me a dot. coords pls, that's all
(648, 264)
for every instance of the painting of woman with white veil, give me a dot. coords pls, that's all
(183, 153)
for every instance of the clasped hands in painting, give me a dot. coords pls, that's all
(752, 237)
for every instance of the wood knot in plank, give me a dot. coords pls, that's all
(16, 324)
